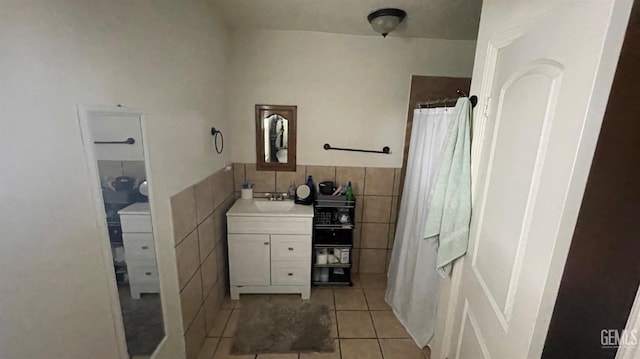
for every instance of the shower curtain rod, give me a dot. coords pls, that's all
(427, 104)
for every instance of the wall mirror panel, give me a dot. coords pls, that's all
(276, 137)
(115, 150)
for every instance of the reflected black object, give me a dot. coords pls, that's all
(128, 141)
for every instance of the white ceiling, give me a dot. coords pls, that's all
(440, 19)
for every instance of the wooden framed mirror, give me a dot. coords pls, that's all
(276, 137)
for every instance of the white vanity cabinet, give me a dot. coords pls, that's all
(269, 250)
(139, 249)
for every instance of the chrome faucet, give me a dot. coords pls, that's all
(277, 196)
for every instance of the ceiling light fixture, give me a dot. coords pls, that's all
(384, 21)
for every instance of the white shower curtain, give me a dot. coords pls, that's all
(413, 283)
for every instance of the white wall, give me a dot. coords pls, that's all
(351, 91)
(165, 57)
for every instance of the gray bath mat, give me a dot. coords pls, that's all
(283, 328)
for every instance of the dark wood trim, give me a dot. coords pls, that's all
(288, 112)
(601, 275)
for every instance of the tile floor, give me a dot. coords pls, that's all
(363, 324)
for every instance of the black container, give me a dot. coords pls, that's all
(333, 236)
(124, 183)
(326, 188)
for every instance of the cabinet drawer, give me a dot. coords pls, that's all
(236, 224)
(143, 274)
(290, 273)
(138, 246)
(290, 247)
(136, 223)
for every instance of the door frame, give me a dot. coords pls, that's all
(91, 162)
(594, 116)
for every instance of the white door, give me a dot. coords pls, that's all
(543, 71)
(249, 259)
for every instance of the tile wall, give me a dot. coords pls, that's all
(376, 191)
(199, 225)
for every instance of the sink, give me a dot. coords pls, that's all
(274, 206)
(261, 207)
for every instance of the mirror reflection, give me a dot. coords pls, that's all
(276, 137)
(122, 172)
(276, 134)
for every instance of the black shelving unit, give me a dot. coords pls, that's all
(333, 224)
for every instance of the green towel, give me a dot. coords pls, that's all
(449, 208)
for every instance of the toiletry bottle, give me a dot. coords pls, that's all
(349, 192)
(311, 186)
(292, 190)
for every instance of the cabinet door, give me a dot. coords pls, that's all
(249, 262)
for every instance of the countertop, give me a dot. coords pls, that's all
(136, 208)
(247, 208)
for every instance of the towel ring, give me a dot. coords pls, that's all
(215, 133)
